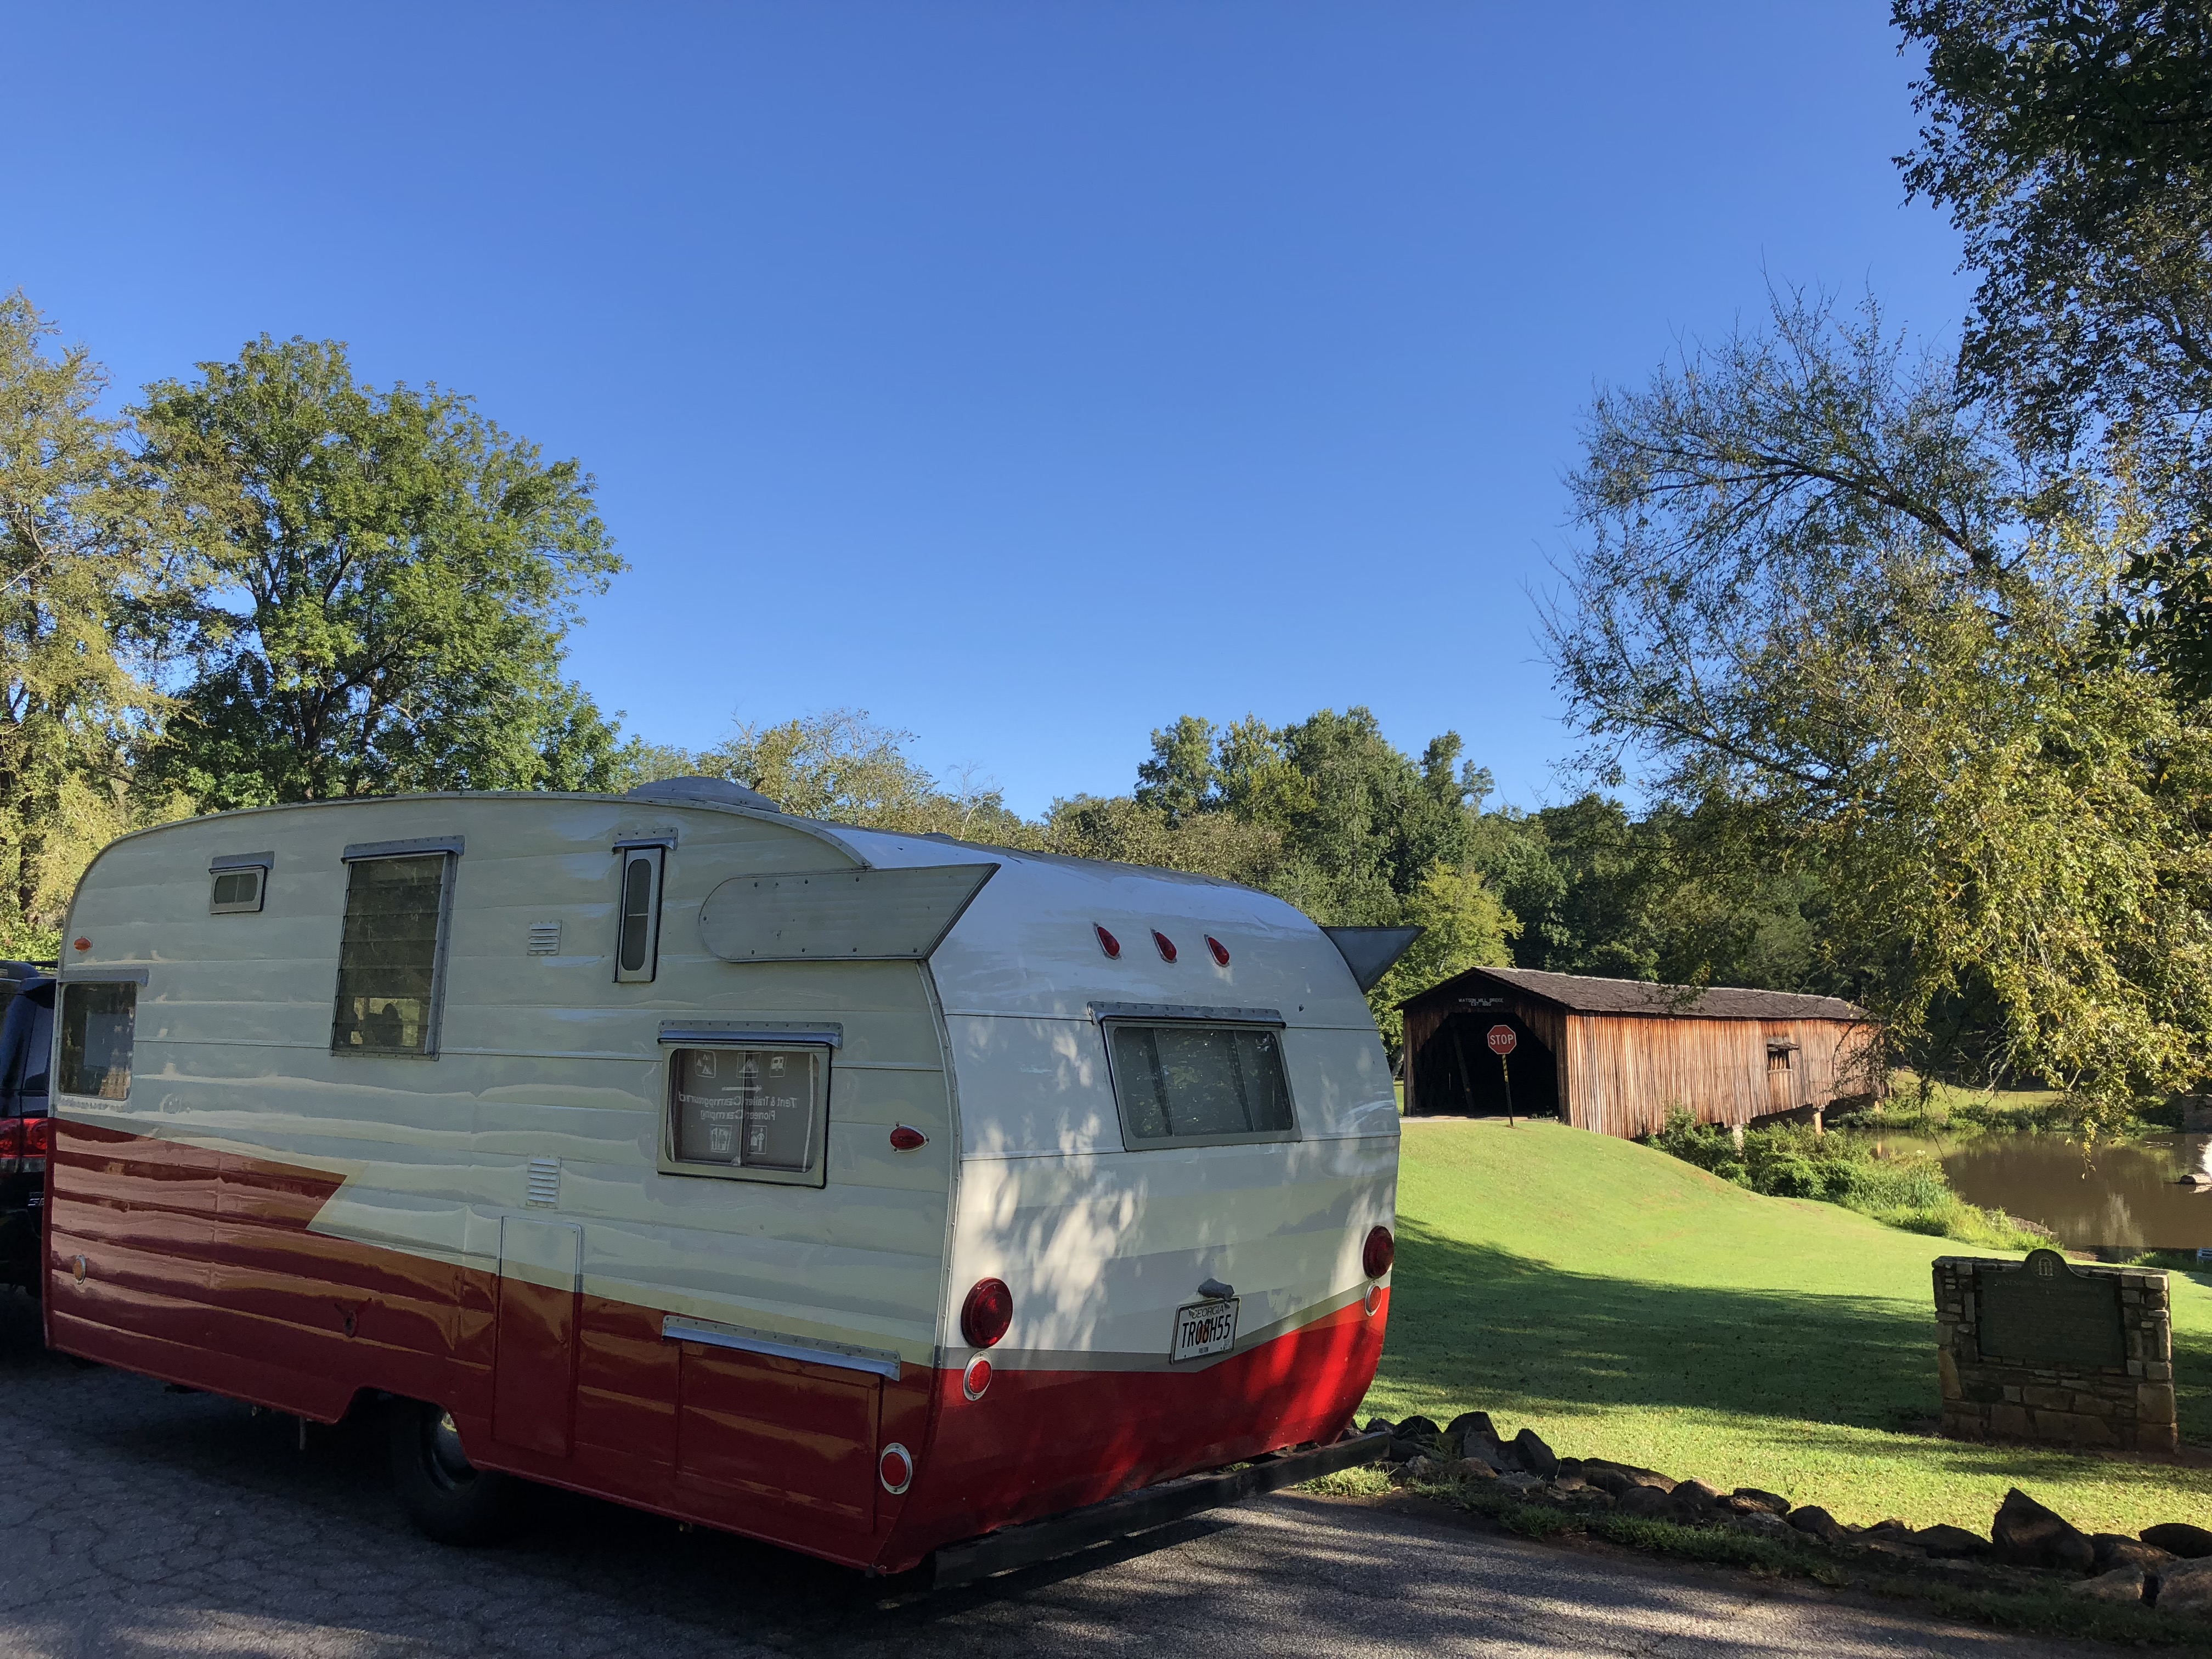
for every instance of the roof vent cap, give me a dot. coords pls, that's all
(721, 792)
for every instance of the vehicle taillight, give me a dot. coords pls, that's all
(986, 1314)
(38, 1142)
(1220, 950)
(1107, 943)
(1166, 944)
(1381, 1251)
(11, 1144)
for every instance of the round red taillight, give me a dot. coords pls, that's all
(896, 1469)
(986, 1314)
(976, 1378)
(84, 944)
(1166, 944)
(1380, 1252)
(1220, 950)
(907, 1138)
(1107, 942)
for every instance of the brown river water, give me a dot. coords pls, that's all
(2118, 1197)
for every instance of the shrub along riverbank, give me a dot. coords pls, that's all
(1629, 1306)
(1841, 1168)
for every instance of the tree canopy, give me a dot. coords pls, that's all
(392, 580)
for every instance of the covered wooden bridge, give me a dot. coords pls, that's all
(1618, 1055)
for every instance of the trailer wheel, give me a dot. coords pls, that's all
(446, 1496)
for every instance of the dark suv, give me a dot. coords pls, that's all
(27, 1032)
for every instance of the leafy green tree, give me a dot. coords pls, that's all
(843, 767)
(405, 572)
(1464, 925)
(1180, 777)
(90, 589)
(2073, 145)
(1815, 596)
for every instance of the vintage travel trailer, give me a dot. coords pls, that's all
(863, 1193)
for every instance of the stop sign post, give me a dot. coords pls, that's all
(1503, 1042)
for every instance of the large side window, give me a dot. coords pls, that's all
(97, 1019)
(637, 935)
(754, 1113)
(392, 956)
(1183, 1083)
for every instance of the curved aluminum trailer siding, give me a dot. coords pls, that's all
(495, 1211)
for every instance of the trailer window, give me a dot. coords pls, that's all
(1183, 1083)
(754, 1112)
(637, 940)
(388, 959)
(96, 1026)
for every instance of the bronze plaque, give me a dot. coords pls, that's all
(2043, 1313)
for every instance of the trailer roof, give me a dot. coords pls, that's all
(1579, 995)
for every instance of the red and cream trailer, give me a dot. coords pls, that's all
(860, 1192)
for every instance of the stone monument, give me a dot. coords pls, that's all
(2053, 1351)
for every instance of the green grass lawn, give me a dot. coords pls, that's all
(1629, 1306)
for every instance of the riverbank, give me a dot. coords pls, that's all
(1632, 1306)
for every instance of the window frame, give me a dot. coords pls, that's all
(229, 864)
(653, 851)
(677, 1038)
(136, 978)
(434, 1019)
(1110, 1017)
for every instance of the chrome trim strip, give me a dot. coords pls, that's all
(763, 1032)
(1104, 1011)
(674, 1327)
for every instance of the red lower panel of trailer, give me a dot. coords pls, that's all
(199, 1267)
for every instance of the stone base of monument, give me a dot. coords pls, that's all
(2054, 1351)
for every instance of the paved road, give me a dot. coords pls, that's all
(137, 1521)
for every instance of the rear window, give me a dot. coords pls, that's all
(1184, 1083)
(97, 1028)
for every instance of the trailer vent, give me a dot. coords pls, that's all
(544, 938)
(545, 1183)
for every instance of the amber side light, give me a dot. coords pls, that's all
(986, 1314)
(1380, 1252)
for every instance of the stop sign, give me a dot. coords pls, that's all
(1502, 1040)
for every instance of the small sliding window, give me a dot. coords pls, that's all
(1194, 1083)
(392, 957)
(747, 1110)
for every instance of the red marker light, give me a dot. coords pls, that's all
(896, 1469)
(84, 944)
(1108, 944)
(906, 1138)
(976, 1377)
(1220, 950)
(1166, 944)
(987, 1311)
(1380, 1252)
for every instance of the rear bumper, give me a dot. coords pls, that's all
(1145, 1509)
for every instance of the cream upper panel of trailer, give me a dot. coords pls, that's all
(1025, 976)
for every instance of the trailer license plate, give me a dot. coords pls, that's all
(1204, 1328)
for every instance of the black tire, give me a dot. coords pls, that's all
(447, 1497)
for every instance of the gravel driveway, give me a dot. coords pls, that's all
(134, 1521)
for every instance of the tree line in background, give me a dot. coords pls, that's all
(1905, 654)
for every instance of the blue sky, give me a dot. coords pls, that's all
(1026, 374)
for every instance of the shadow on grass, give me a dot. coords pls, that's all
(1471, 1321)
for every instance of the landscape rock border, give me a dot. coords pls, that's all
(2030, 1547)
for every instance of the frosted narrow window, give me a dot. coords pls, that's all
(637, 940)
(1185, 1083)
